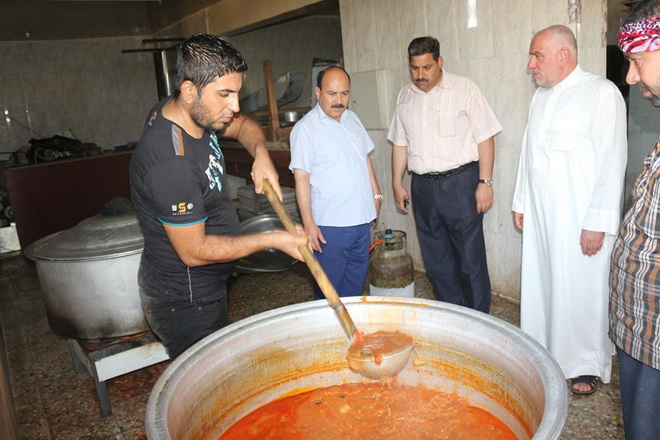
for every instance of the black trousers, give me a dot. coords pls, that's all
(451, 238)
(180, 324)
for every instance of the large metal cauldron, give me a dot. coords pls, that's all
(254, 361)
(88, 276)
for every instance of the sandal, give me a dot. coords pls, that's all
(593, 382)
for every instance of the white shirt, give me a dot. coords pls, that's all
(442, 127)
(335, 155)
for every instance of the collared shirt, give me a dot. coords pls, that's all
(335, 155)
(443, 127)
(635, 271)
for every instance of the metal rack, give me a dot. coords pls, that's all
(108, 358)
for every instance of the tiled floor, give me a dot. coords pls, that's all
(54, 402)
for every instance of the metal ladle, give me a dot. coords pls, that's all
(364, 362)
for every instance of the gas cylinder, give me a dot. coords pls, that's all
(391, 270)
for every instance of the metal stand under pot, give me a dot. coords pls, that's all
(109, 358)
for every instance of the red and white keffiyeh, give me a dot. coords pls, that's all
(640, 36)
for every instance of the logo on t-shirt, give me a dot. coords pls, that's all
(154, 115)
(183, 208)
(214, 171)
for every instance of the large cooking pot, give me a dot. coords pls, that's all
(88, 275)
(254, 361)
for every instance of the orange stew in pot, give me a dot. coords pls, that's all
(369, 411)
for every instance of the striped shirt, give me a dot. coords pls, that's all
(635, 274)
(443, 127)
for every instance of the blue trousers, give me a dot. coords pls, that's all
(451, 238)
(345, 258)
(640, 388)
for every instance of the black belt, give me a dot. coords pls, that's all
(437, 175)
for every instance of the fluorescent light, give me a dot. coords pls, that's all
(472, 14)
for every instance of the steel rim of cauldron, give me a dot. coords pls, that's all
(555, 398)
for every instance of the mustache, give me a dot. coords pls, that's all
(421, 80)
(337, 106)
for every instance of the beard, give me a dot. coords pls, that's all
(541, 81)
(654, 94)
(200, 116)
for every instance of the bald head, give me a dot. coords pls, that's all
(563, 36)
(333, 91)
(553, 55)
(336, 70)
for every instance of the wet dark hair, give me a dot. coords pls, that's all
(421, 45)
(644, 11)
(319, 77)
(202, 58)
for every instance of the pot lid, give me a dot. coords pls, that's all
(114, 232)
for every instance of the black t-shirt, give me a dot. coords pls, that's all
(179, 180)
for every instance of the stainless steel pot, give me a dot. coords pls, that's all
(254, 361)
(291, 116)
(268, 260)
(88, 276)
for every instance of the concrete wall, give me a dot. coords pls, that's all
(290, 46)
(90, 89)
(87, 87)
(488, 41)
(616, 14)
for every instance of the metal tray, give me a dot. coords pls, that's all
(268, 260)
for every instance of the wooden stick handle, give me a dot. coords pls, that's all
(312, 263)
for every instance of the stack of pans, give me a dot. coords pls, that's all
(251, 204)
(257, 216)
(268, 260)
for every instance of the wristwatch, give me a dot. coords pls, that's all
(378, 197)
(487, 182)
